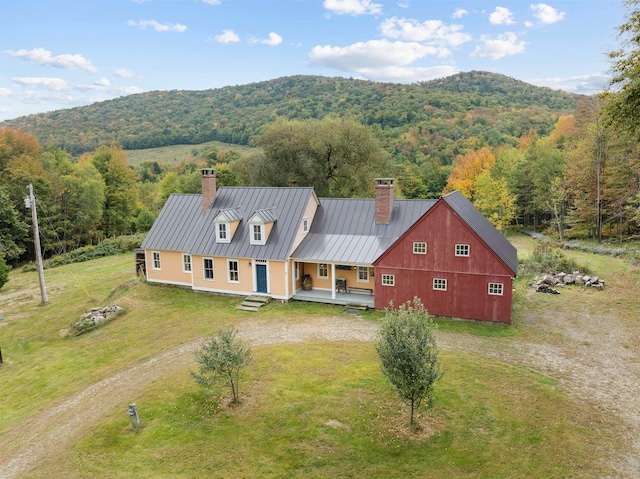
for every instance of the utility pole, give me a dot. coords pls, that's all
(31, 203)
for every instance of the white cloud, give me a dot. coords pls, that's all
(433, 31)
(501, 16)
(157, 26)
(546, 14)
(44, 57)
(102, 82)
(366, 56)
(5, 92)
(528, 24)
(227, 36)
(459, 13)
(399, 74)
(585, 84)
(352, 7)
(499, 46)
(273, 40)
(212, 2)
(123, 73)
(404, 5)
(56, 84)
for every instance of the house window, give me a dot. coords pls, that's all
(223, 232)
(257, 234)
(363, 274)
(208, 268)
(440, 284)
(186, 263)
(233, 271)
(388, 280)
(296, 269)
(305, 225)
(419, 247)
(496, 289)
(323, 271)
(462, 250)
(156, 259)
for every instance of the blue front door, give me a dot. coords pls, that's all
(261, 278)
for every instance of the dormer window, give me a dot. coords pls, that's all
(257, 234)
(261, 223)
(222, 232)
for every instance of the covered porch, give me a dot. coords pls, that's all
(325, 296)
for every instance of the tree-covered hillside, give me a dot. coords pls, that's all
(461, 111)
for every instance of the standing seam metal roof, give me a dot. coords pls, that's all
(345, 231)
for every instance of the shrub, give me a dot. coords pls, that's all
(547, 259)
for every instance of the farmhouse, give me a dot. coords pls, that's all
(289, 244)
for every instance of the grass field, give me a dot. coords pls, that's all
(316, 409)
(176, 154)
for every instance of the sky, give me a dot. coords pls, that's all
(58, 54)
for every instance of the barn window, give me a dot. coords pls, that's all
(186, 263)
(208, 268)
(440, 284)
(388, 280)
(363, 274)
(323, 270)
(156, 259)
(496, 289)
(419, 247)
(462, 250)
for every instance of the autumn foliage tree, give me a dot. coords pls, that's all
(466, 170)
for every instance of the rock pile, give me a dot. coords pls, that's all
(546, 283)
(92, 319)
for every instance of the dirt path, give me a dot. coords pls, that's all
(591, 362)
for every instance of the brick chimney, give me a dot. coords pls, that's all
(384, 200)
(208, 188)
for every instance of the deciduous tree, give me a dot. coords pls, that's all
(408, 353)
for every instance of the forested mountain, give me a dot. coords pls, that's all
(466, 110)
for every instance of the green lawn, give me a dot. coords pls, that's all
(308, 410)
(176, 154)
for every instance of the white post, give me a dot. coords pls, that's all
(333, 281)
(36, 239)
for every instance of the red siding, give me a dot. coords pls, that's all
(467, 278)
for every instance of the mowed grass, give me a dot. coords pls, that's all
(310, 410)
(176, 154)
(325, 410)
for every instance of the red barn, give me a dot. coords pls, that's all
(454, 260)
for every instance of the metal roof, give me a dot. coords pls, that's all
(286, 204)
(266, 215)
(483, 228)
(345, 231)
(171, 229)
(231, 214)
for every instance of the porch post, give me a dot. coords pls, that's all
(333, 281)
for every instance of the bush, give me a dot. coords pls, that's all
(547, 259)
(107, 247)
(4, 271)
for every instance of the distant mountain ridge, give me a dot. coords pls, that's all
(499, 107)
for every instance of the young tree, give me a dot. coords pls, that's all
(408, 353)
(221, 359)
(4, 271)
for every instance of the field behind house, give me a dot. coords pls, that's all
(176, 154)
(550, 396)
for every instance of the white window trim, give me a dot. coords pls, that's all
(361, 268)
(252, 239)
(227, 227)
(184, 263)
(462, 245)
(441, 282)
(237, 271)
(204, 270)
(155, 258)
(296, 269)
(305, 225)
(420, 243)
(496, 286)
(390, 279)
(323, 277)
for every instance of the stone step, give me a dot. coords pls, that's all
(361, 307)
(242, 307)
(258, 299)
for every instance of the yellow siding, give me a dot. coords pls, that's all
(310, 213)
(170, 268)
(277, 278)
(233, 226)
(221, 275)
